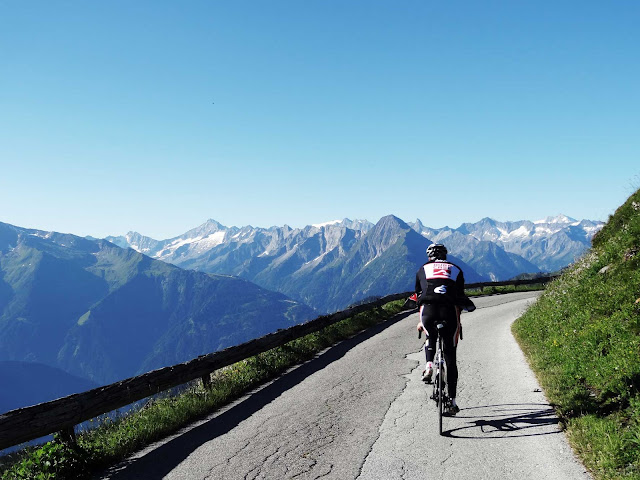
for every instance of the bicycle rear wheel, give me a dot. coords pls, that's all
(440, 398)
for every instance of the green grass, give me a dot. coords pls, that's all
(582, 338)
(114, 439)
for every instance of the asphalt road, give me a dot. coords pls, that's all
(359, 410)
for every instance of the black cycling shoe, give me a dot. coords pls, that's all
(452, 410)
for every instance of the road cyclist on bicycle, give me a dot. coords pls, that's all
(440, 297)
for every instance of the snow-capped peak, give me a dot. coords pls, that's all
(557, 219)
(325, 224)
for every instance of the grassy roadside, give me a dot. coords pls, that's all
(582, 338)
(116, 438)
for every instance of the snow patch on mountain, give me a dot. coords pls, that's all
(316, 260)
(200, 243)
(39, 234)
(563, 219)
(543, 231)
(213, 240)
(332, 222)
(519, 232)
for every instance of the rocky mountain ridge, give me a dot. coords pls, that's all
(296, 260)
(327, 266)
(549, 244)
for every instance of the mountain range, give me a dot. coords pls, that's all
(99, 310)
(331, 265)
(548, 245)
(103, 313)
(327, 266)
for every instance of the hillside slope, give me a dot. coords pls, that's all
(33, 383)
(583, 339)
(105, 313)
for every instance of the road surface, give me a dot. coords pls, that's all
(360, 411)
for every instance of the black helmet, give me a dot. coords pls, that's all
(437, 251)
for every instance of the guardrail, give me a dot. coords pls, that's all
(531, 281)
(61, 415)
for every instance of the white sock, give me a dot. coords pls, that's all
(453, 402)
(429, 365)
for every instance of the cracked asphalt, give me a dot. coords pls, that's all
(359, 410)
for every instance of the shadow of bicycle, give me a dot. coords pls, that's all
(505, 421)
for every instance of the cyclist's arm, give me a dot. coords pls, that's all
(464, 302)
(460, 284)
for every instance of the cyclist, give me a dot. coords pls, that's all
(440, 290)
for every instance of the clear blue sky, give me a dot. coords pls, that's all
(155, 116)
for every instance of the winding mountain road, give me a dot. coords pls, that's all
(359, 410)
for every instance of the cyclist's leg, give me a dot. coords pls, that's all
(452, 369)
(428, 316)
(450, 341)
(427, 319)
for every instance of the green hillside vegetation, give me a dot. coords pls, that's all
(582, 339)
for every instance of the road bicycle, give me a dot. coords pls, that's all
(439, 380)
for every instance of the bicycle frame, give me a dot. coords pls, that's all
(439, 384)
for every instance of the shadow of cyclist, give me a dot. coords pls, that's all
(506, 421)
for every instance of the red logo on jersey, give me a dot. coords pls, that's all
(441, 270)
